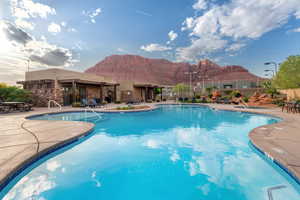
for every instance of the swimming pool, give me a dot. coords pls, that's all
(174, 152)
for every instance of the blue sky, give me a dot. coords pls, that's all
(78, 34)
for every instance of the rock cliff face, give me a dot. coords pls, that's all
(161, 71)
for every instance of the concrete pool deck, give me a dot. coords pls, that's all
(22, 141)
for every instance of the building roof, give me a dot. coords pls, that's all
(63, 75)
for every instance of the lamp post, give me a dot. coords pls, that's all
(273, 63)
(270, 70)
(191, 76)
(28, 64)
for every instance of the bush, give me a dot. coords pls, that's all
(246, 99)
(235, 93)
(228, 92)
(278, 102)
(76, 104)
(118, 102)
(13, 93)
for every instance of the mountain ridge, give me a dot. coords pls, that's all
(165, 72)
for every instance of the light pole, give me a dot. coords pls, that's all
(273, 63)
(28, 64)
(270, 70)
(191, 76)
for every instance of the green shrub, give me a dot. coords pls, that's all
(76, 104)
(125, 108)
(246, 99)
(118, 102)
(235, 93)
(228, 92)
(278, 102)
(13, 93)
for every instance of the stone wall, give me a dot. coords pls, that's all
(43, 91)
(292, 94)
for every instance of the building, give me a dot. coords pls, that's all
(137, 91)
(67, 87)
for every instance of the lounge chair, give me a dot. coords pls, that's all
(84, 103)
(227, 101)
(133, 102)
(94, 103)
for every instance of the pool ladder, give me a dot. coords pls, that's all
(52, 101)
(92, 110)
(271, 189)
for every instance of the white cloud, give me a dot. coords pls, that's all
(200, 47)
(19, 46)
(235, 46)
(54, 28)
(174, 156)
(63, 23)
(296, 30)
(155, 47)
(234, 21)
(92, 14)
(200, 5)
(30, 187)
(153, 144)
(188, 23)
(24, 24)
(121, 50)
(172, 35)
(28, 8)
(53, 165)
(72, 30)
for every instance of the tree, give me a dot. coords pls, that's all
(13, 93)
(180, 89)
(288, 75)
(209, 90)
(3, 85)
(270, 88)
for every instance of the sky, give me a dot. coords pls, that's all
(77, 34)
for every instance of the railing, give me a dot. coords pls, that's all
(270, 190)
(244, 103)
(92, 110)
(52, 101)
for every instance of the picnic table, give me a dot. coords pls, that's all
(10, 106)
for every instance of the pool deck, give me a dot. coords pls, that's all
(23, 141)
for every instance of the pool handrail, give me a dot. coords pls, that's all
(92, 110)
(53, 101)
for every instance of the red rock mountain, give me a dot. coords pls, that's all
(161, 71)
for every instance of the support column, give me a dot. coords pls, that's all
(115, 94)
(146, 94)
(101, 93)
(73, 91)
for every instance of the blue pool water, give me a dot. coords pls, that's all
(172, 153)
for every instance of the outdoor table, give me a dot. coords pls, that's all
(12, 105)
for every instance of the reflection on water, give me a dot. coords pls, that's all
(171, 153)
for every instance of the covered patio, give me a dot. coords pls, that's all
(75, 90)
(146, 92)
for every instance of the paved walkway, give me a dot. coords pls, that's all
(22, 141)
